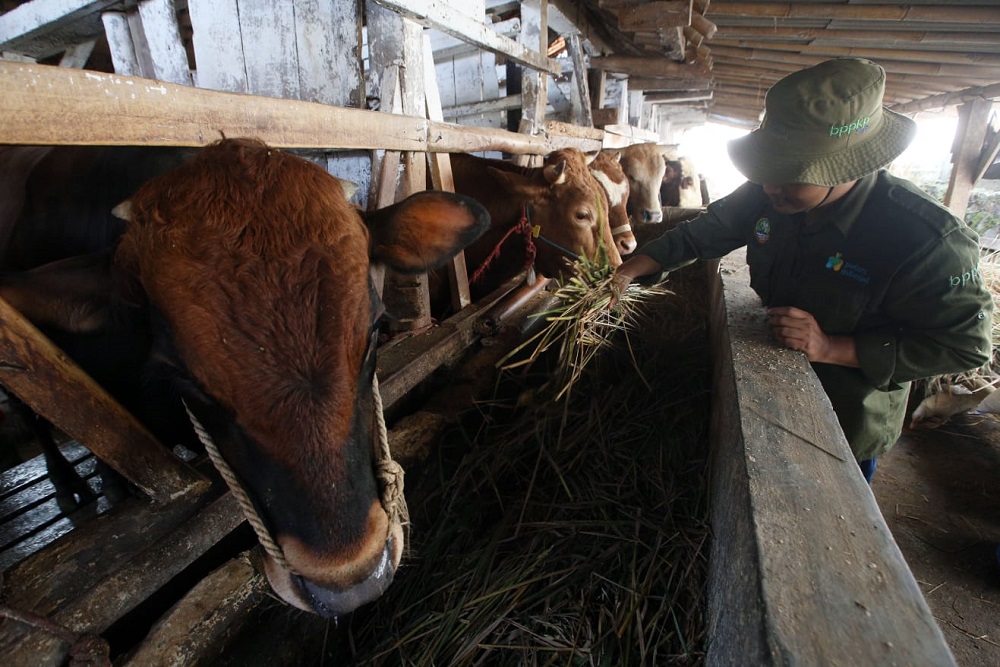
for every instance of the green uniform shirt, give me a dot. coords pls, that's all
(888, 265)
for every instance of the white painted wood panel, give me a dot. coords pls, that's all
(268, 29)
(163, 41)
(119, 38)
(328, 46)
(218, 45)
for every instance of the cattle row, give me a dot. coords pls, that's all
(224, 297)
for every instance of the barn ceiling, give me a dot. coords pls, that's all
(720, 56)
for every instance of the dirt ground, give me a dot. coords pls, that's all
(939, 491)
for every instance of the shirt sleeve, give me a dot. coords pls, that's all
(715, 233)
(941, 313)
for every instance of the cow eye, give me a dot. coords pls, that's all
(583, 214)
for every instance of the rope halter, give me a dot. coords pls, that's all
(388, 472)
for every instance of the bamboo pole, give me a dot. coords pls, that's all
(943, 13)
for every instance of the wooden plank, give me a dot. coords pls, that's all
(434, 14)
(328, 42)
(54, 387)
(442, 179)
(534, 35)
(942, 13)
(197, 630)
(654, 16)
(404, 364)
(267, 28)
(53, 105)
(581, 89)
(77, 56)
(218, 45)
(973, 118)
(108, 568)
(637, 66)
(119, 37)
(43, 28)
(801, 555)
(162, 39)
(476, 108)
(30, 472)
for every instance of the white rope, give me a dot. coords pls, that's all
(388, 473)
(233, 482)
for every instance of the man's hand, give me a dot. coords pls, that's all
(634, 267)
(798, 330)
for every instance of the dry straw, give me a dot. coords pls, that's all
(569, 532)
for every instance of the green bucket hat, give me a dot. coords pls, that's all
(823, 125)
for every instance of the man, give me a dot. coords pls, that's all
(872, 279)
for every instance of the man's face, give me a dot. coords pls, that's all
(795, 197)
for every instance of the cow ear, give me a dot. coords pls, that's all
(615, 155)
(591, 156)
(532, 186)
(425, 230)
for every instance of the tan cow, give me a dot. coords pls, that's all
(644, 165)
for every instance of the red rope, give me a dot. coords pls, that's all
(523, 226)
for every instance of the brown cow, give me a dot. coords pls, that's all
(644, 165)
(608, 171)
(561, 210)
(256, 271)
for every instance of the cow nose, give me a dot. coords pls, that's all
(650, 215)
(626, 246)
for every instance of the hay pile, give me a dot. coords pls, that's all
(573, 531)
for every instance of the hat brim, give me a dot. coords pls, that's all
(762, 160)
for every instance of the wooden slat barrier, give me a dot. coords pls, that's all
(39, 373)
(804, 569)
(53, 105)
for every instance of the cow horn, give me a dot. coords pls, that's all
(123, 210)
(555, 174)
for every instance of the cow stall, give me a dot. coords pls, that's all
(791, 520)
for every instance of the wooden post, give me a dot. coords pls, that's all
(969, 137)
(581, 90)
(393, 39)
(442, 179)
(534, 35)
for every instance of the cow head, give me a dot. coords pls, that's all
(644, 165)
(606, 168)
(257, 270)
(566, 206)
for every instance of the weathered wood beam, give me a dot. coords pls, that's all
(435, 15)
(658, 83)
(42, 376)
(945, 13)
(989, 37)
(634, 65)
(490, 106)
(870, 52)
(53, 105)
(42, 28)
(654, 16)
(989, 72)
(991, 92)
(678, 97)
(973, 120)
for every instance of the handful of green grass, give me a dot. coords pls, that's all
(583, 323)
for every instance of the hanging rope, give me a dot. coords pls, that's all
(388, 472)
(523, 227)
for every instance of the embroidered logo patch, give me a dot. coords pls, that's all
(855, 272)
(762, 230)
(971, 276)
(854, 127)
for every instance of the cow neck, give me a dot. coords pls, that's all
(389, 473)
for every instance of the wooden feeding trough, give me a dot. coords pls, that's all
(802, 569)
